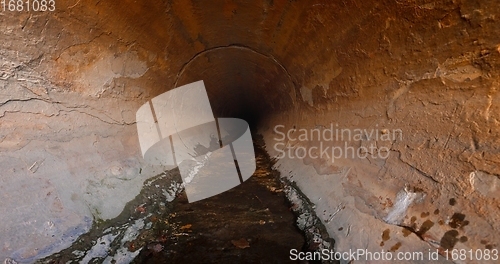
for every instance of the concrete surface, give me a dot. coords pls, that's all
(71, 81)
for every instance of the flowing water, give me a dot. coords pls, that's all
(259, 221)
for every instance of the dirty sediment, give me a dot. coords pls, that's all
(259, 221)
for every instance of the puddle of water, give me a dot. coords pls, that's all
(255, 222)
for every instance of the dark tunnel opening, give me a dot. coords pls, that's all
(240, 82)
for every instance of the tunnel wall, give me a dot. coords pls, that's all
(71, 81)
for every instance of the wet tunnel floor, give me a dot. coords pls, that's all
(251, 223)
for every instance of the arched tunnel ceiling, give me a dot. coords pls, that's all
(72, 80)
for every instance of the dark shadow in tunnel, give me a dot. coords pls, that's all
(240, 82)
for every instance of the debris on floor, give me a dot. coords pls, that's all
(255, 222)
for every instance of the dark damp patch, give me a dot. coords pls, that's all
(426, 226)
(449, 240)
(406, 232)
(413, 224)
(424, 214)
(453, 201)
(395, 247)
(382, 243)
(441, 222)
(489, 247)
(458, 221)
(386, 235)
(341, 228)
(463, 239)
(436, 212)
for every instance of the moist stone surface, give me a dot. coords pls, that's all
(72, 80)
(251, 223)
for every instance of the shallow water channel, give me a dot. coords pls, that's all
(259, 221)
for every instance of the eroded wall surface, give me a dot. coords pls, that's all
(72, 80)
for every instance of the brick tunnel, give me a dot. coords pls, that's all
(385, 114)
